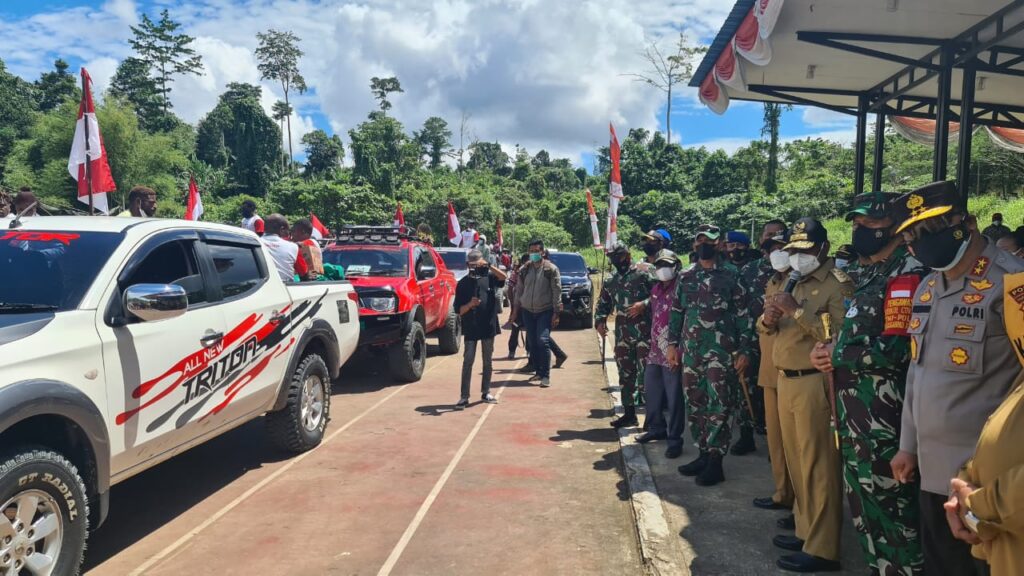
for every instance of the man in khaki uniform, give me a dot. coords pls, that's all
(962, 365)
(793, 316)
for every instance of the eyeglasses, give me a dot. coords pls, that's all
(928, 227)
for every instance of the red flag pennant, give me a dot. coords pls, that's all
(87, 162)
(399, 217)
(194, 204)
(318, 227)
(454, 230)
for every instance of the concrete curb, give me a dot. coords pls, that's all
(662, 551)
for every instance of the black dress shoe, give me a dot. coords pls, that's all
(695, 467)
(786, 522)
(746, 443)
(559, 361)
(674, 452)
(712, 473)
(788, 543)
(650, 437)
(768, 504)
(801, 562)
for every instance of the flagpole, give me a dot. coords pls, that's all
(88, 164)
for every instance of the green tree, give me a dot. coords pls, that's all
(382, 87)
(384, 156)
(17, 107)
(167, 54)
(666, 71)
(132, 83)
(279, 112)
(238, 136)
(323, 153)
(278, 55)
(772, 115)
(488, 156)
(435, 140)
(54, 87)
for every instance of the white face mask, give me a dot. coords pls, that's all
(804, 263)
(665, 274)
(841, 263)
(779, 260)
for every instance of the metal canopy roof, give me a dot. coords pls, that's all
(886, 55)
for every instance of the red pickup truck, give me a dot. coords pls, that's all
(405, 293)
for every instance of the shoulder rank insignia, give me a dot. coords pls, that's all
(841, 276)
(983, 284)
(931, 283)
(980, 266)
(972, 298)
(926, 296)
(915, 323)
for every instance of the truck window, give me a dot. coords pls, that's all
(172, 263)
(237, 269)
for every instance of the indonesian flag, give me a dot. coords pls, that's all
(194, 204)
(399, 217)
(614, 191)
(500, 237)
(87, 146)
(454, 230)
(319, 230)
(593, 219)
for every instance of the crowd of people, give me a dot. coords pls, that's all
(894, 381)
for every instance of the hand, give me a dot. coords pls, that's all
(821, 357)
(961, 490)
(636, 310)
(475, 302)
(772, 315)
(956, 524)
(904, 466)
(554, 320)
(786, 303)
(602, 328)
(741, 363)
(673, 357)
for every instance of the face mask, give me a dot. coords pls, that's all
(737, 254)
(621, 265)
(804, 263)
(665, 274)
(869, 241)
(841, 263)
(943, 250)
(651, 249)
(997, 222)
(779, 260)
(706, 251)
(536, 257)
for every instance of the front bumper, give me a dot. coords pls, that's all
(380, 329)
(578, 304)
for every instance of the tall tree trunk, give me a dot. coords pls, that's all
(163, 86)
(668, 115)
(288, 118)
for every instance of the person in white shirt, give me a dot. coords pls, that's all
(251, 221)
(469, 235)
(284, 253)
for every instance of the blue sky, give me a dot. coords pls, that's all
(545, 74)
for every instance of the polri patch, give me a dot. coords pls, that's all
(971, 299)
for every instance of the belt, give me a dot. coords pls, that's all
(799, 373)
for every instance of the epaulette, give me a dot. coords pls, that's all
(841, 276)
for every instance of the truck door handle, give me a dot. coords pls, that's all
(211, 339)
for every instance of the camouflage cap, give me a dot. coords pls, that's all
(618, 249)
(710, 231)
(666, 257)
(872, 205)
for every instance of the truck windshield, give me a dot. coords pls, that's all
(569, 264)
(50, 270)
(454, 260)
(370, 261)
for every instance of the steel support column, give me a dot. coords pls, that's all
(861, 145)
(876, 175)
(963, 161)
(941, 156)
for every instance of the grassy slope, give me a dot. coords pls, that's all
(983, 207)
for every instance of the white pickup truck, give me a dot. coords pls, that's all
(124, 342)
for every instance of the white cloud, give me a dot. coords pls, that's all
(101, 70)
(729, 145)
(845, 136)
(823, 118)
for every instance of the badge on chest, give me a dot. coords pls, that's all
(899, 304)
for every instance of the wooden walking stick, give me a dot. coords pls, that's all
(826, 324)
(746, 394)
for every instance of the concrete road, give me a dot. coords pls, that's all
(401, 485)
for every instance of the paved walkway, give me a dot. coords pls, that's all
(402, 485)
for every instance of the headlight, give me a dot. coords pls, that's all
(581, 288)
(379, 303)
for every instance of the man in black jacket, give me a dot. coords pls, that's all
(476, 299)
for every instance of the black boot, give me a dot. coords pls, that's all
(746, 444)
(695, 467)
(627, 419)
(712, 473)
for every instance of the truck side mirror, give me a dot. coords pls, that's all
(152, 302)
(591, 270)
(426, 272)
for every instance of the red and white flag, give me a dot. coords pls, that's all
(500, 237)
(319, 230)
(194, 204)
(399, 217)
(87, 148)
(593, 219)
(454, 230)
(614, 191)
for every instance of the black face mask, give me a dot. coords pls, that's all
(869, 241)
(706, 251)
(737, 254)
(621, 265)
(941, 250)
(651, 249)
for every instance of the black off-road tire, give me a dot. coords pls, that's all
(38, 469)
(408, 356)
(449, 338)
(286, 426)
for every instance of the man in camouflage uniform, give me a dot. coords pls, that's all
(870, 359)
(712, 322)
(626, 292)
